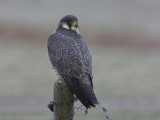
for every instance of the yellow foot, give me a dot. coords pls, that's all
(60, 80)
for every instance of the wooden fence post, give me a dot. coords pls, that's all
(63, 102)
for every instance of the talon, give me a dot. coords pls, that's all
(51, 106)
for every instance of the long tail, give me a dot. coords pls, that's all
(83, 92)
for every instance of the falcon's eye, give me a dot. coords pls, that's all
(70, 22)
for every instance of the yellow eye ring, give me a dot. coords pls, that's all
(70, 22)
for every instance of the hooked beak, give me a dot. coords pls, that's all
(75, 24)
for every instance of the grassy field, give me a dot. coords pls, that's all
(124, 114)
(126, 80)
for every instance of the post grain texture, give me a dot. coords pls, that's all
(63, 102)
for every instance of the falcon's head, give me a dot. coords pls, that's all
(69, 22)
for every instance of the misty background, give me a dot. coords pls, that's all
(124, 40)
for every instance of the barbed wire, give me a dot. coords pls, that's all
(101, 106)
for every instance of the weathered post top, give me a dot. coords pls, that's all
(63, 102)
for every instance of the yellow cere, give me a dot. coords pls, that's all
(73, 23)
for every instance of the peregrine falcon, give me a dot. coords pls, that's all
(69, 54)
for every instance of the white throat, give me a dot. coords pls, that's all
(72, 28)
(75, 29)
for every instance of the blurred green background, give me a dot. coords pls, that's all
(124, 39)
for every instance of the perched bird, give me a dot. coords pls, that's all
(69, 54)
